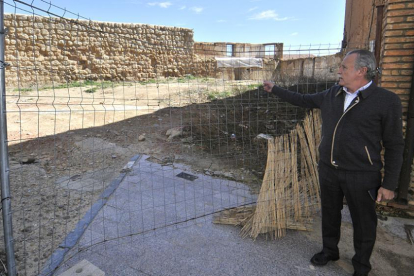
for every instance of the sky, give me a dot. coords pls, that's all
(292, 22)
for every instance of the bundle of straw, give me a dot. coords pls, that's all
(287, 199)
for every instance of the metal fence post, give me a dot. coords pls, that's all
(4, 164)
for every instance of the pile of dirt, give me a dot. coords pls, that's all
(236, 128)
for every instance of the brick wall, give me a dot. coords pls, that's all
(397, 57)
(397, 60)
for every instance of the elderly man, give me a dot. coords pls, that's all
(359, 120)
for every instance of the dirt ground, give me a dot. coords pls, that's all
(66, 145)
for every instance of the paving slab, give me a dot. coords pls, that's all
(83, 268)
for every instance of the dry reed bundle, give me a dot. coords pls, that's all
(235, 216)
(309, 139)
(286, 200)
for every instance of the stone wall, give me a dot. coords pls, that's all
(42, 50)
(259, 74)
(287, 72)
(208, 51)
(219, 49)
(322, 69)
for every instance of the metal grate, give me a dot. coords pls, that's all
(187, 176)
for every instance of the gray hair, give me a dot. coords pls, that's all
(365, 58)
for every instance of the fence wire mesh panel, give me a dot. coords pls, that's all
(125, 137)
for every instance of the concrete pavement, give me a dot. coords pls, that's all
(155, 223)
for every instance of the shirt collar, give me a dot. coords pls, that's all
(361, 89)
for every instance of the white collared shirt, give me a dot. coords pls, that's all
(349, 97)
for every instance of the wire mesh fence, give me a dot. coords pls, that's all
(119, 133)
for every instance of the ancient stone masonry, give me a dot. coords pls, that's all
(322, 69)
(47, 49)
(221, 49)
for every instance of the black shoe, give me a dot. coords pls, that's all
(321, 258)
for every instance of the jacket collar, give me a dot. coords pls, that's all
(364, 93)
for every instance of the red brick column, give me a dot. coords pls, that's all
(397, 57)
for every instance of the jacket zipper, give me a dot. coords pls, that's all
(333, 138)
(369, 156)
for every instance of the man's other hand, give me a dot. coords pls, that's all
(268, 85)
(384, 194)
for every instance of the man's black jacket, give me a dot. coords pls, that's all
(353, 140)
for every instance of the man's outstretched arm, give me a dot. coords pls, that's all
(298, 99)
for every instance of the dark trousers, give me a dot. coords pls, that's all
(335, 184)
